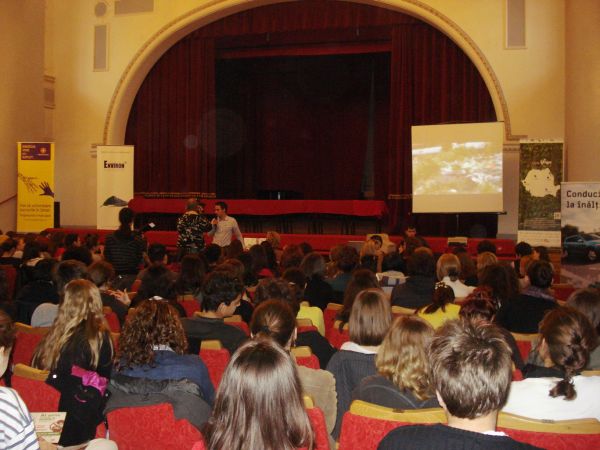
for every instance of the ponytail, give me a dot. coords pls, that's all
(442, 295)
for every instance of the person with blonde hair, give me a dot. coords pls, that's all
(371, 256)
(402, 362)
(78, 353)
(485, 259)
(448, 271)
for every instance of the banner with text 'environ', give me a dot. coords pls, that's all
(35, 186)
(114, 180)
(580, 233)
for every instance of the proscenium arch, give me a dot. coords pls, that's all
(211, 11)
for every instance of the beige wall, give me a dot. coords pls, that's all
(532, 80)
(21, 92)
(583, 90)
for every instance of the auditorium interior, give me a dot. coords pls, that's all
(266, 99)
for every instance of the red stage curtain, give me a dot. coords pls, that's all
(175, 115)
(172, 121)
(432, 81)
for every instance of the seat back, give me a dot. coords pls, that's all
(190, 304)
(329, 314)
(150, 427)
(402, 311)
(336, 337)
(305, 357)
(317, 422)
(366, 424)
(11, 280)
(582, 434)
(216, 359)
(236, 321)
(111, 319)
(31, 385)
(524, 343)
(27, 339)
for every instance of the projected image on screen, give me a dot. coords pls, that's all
(457, 168)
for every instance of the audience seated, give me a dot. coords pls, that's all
(102, 273)
(371, 256)
(237, 269)
(152, 366)
(468, 269)
(479, 307)
(370, 320)
(8, 248)
(402, 380)
(259, 403)
(524, 313)
(156, 257)
(471, 371)
(317, 291)
(347, 260)
(503, 282)
(291, 257)
(521, 249)
(486, 246)
(278, 289)
(275, 319)
(15, 421)
(77, 350)
(360, 280)
(213, 254)
(65, 272)
(441, 307)
(418, 289)
(158, 282)
(40, 290)
(485, 259)
(448, 270)
(74, 250)
(587, 302)
(191, 276)
(295, 277)
(566, 340)
(221, 296)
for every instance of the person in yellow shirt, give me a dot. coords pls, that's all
(441, 308)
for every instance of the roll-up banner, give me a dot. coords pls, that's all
(114, 186)
(540, 175)
(35, 186)
(580, 233)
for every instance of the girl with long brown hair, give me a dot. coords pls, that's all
(259, 403)
(556, 391)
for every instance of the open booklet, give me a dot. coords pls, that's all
(49, 425)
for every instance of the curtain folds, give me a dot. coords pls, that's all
(293, 122)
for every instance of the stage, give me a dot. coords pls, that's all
(285, 216)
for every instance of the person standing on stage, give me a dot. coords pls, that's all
(224, 227)
(190, 228)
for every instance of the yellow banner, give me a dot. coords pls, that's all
(35, 186)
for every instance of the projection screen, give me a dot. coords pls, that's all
(457, 167)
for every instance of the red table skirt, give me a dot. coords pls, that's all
(249, 207)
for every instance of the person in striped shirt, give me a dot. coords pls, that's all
(16, 425)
